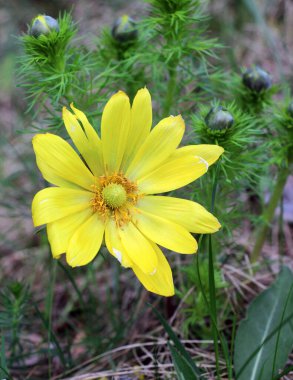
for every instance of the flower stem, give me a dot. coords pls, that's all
(170, 90)
(74, 284)
(213, 305)
(49, 311)
(269, 212)
(212, 287)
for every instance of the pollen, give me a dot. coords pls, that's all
(114, 197)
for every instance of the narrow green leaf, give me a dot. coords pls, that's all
(178, 345)
(265, 339)
(72, 280)
(52, 335)
(286, 371)
(182, 367)
(3, 365)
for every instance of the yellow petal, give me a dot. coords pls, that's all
(178, 170)
(165, 233)
(85, 139)
(114, 244)
(59, 163)
(54, 203)
(138, 248)
(89, 130)
(85, 242)
(62, 230)
(141, 122)
(161, 282)
(114, 130)
(209, 153)
(160, 144)
(190, 215)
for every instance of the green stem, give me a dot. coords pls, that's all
(212, 286)
(75, 286)
(213, 319)
(44, 321)
(215, 185)
(49, 311)
(268, 214)
(170, 90)
(213, 306)
(15, 318)
(281, 237)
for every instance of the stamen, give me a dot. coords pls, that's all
(114, 196)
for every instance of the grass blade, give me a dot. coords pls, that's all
(182, 367)
(177, 344)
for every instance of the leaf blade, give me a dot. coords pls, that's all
(255, 354)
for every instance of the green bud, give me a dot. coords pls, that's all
(43, 25)
(218, 120)
(256, 79)
(290, 109)
(124, 29)
(15, 288)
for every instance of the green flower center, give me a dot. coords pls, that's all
(114, 195)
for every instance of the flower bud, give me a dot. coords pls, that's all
(124, 29)
(218, 120)
(43, 24)
(256, 79)
(290, 109)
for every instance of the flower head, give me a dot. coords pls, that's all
(218, 120)
(125, 29)
(43, 25)
(256, 79)
(109, 192)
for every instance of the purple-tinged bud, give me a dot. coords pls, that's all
(218, 120)
(124, 29)
(43, 25)
(256, 79)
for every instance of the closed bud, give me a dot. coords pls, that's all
(290, 109)
(16, 289)
(218, 120)
(124, 29)
(256, 79)
(43, 25)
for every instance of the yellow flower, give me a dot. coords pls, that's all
(109, 190)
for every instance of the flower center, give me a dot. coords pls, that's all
(114, 195)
